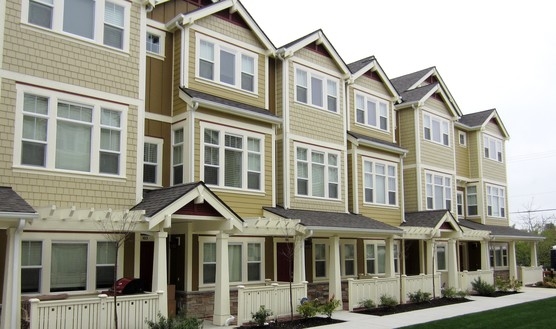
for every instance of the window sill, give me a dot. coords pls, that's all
(322, 109)
(449, 146)
(213, 83)
(237, 190)
(58, 172)
(317, 198)
(373, 128)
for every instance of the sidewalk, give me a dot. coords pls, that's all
(478, 304)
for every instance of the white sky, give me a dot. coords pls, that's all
(490, 53)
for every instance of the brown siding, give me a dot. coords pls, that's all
(162, 130)
(159, 81)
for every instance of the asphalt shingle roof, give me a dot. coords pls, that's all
(375, 140)
(332, 219)
(424, 218)
(10, 201)
(358, 65)
(403, 82)
(156, 200)
(496, 229)
(416, 94)
(475, 119)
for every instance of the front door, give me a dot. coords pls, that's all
(284, 261)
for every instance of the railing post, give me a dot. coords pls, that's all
(34, 313)
(240, 304)
(103, 311)
(351, 293)
(403, 291)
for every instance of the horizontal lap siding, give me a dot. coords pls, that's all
(462, 157)
(410, 190)
(407, 134)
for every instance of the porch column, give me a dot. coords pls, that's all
(299, 259)
(429, 256)
(511, 260)
(452, 264)
(335, 278)
(534, 261)
(221, 311)
(485, 256)
(390, 270)
(160, 282)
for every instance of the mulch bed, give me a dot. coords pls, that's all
(400, 308)
(295, 324)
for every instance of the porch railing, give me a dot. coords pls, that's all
(530, 274)
(360, 290)
(94, 312)
(275, 297)
(466, 278)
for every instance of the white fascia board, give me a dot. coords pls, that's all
(382, 74)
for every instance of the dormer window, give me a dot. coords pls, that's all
(436, 129)
(371, 112)
(316, 89)
(493, 148)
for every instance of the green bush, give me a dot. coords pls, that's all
(368, 304)
(452, 293)
(507, 284)
(328, 307)
(179, 322)
(308, 309)
(419, 297)
(387, 301)
(483, 288)
(261, 315)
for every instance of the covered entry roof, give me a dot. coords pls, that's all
(430, 222)
(502, 232)
(13, 208)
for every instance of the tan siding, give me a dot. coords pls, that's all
(231, 30)
(494, 170)
(372, 84)
(407, 134)
(350, 180)
(493, 128)
(279, 90)
(473, 144)
(437, 107)
(164, 12)
(280, 172)
(410, 190)
(462, 156)
(367, 130)
(317, 59)
(437, 155)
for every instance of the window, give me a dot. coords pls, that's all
(436, 129)
(320, 256)
(31, 266)
(106, 264)
(371, 112)
(439, 191)
(245, 260)
(499, 255)
(496, 201)
(493, 148)
(177, 156)
(472, 208)
(155, 41)
(226, 64)
(68, 269)
(348, 255)
(441, 260)
(459, 202)
(69, 133)
(78, 18)
(317, 90)
(232, 158)
(380, 182)
(462, 138)
(375, 257)
(152, 161)
(317, 173)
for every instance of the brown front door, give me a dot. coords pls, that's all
(284, 261)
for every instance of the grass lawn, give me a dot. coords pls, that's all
(537, 314)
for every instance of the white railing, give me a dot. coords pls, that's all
(373, 288)
(94, 312)
(466, 278)
(275, 297)
(530, 275)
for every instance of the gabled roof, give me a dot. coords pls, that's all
(162, 203)
(358, 68)
(478, 120)
(234, 6)
(433, 219)
(219, 103)
(406, 83)
(317, 36)
(12, 204)
(501, 232)
(376, 143)
(324, 220)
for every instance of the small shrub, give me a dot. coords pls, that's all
(261, 315)
(387, 301)
(515, 285)
(419, 297)
(179, 322)
(548, 282)
(328, 307)
(462, 294)
(368, 304)
(483, 288)
(508, 284)
(308, 309)
(452, 293)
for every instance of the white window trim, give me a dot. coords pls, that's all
(53, 98)
(159, 148)
(326, 244)
(504, 255)
(243, 241)
(468, 204)
(460, 196)
(376, 244)
(386, 164)
(501, 196)
(57, 22)
(343, 243)
(462, 134)
(162, 42)
(493, 154)
(238, 52)
(221, 148)
(326, 152)
(174, 129)
(378, 101)
(446, 196)
(442, 123)
(321, 76)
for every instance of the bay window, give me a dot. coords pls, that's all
(317, 173)
(438, 191)
(70, 133)
(493, 148)
(496, 201)
(380, 182)
(371, 112)
(436, 129)
(80, 18)
(316, 89)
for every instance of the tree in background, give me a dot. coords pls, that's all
(533, 222)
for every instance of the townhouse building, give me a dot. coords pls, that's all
(238, 166)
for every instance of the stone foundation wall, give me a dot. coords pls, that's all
(200, 304)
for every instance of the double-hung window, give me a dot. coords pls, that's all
(31, 266)
(232, 158)
(493, 148)
(499, 255)
(496, 201)
(472, 207)
(317, 173)
(320, 255)
(226, 64)
(436, 129)
(441, 256)
(348, 256)
(80, 18)
(316, 89)
(375, 257)
(106, 264)
(70, 133)
(380, 186)
(177, 155)
(439, 191)
(371, 112)
(152, 161)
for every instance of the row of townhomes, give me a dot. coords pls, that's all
(238, 167)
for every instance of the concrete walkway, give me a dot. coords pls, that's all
(478, 304)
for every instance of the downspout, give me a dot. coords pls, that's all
(15, 269)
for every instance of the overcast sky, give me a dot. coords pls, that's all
(490, 54)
